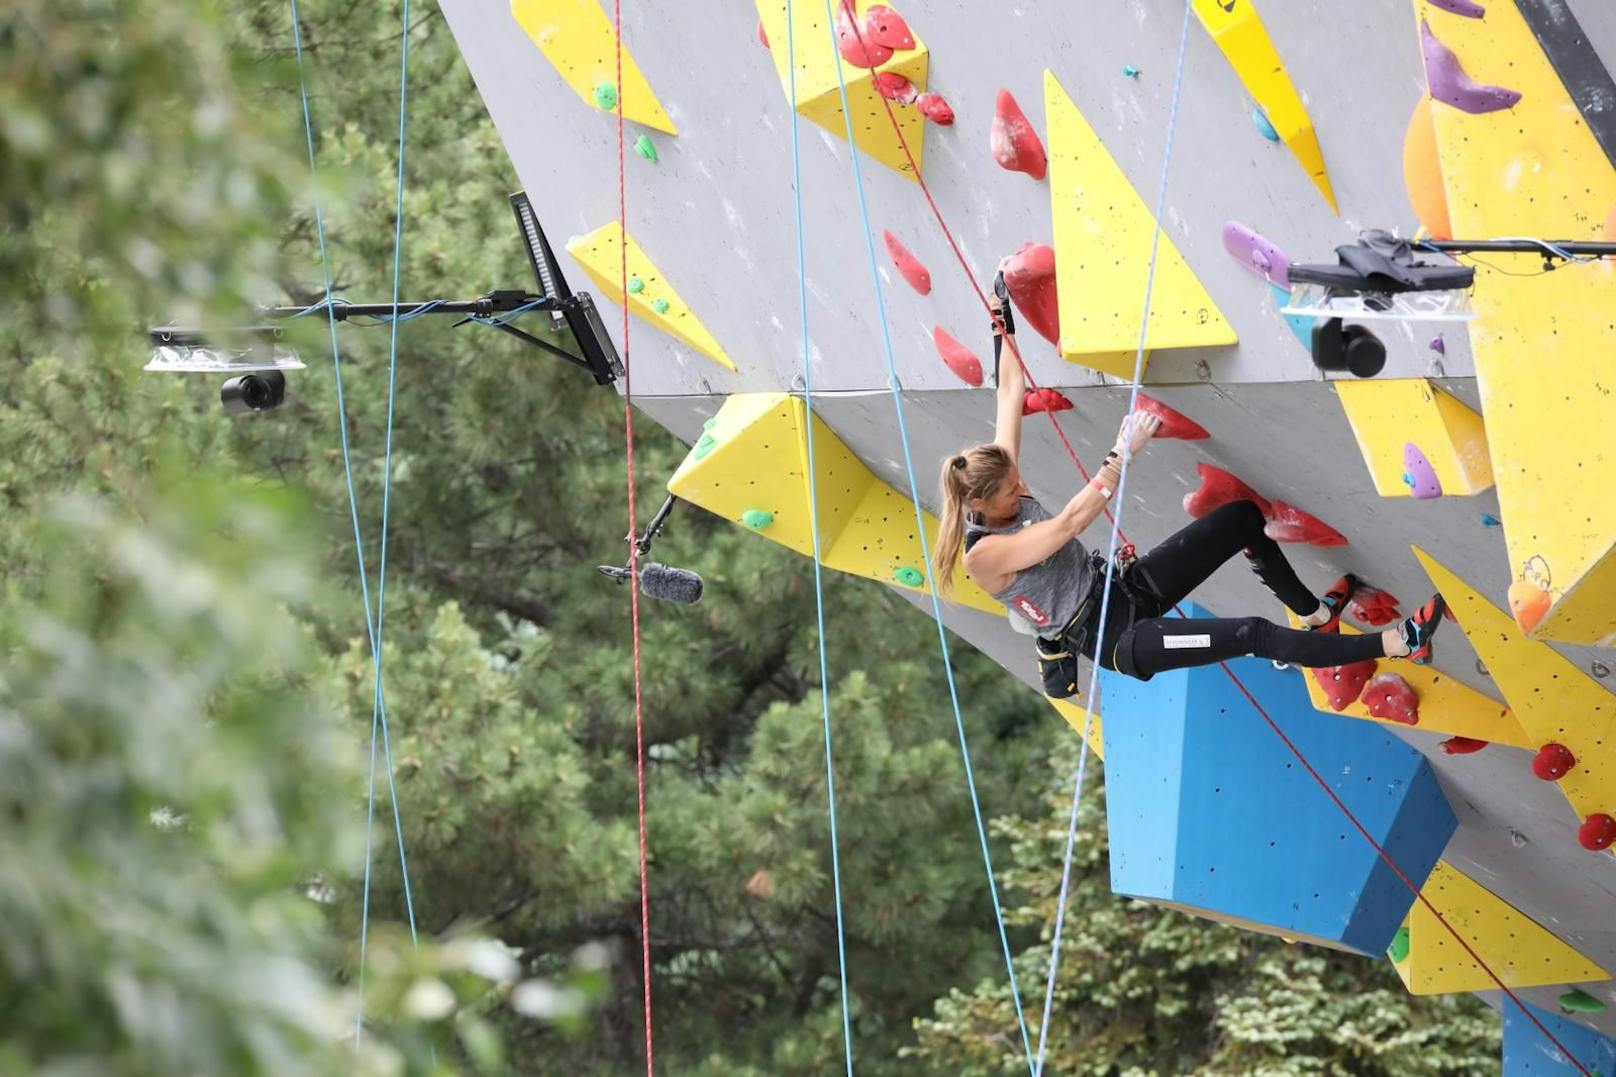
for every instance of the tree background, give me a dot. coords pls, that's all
(187, 698)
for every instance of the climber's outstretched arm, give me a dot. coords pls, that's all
(1012, 384)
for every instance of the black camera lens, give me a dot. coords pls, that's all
(262, 390)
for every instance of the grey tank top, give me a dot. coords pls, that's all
(1048, 593)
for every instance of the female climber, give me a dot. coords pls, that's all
(1031, 560)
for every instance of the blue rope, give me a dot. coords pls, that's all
(372, 627)
(920, 525)
(1111, 552)
(813, 513)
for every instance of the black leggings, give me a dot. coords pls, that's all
(1140, 642)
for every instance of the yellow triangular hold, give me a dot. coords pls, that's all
(1536, 169)
(580, 43)
(598, 254)
(1518, 949)
(1553, 699)
(819, 95)
(1103, 233)
(1073, 712)
(750, 467)
(1388, 413)
(749, 460)
(1238, 31)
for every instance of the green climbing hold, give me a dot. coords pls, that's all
(605, 94)
(1575, 1001)
(909, 577)
(757, 519)
(705, 446)
(636, 285)
(660, 306)
(1398, 950)
(645, 148)
(709, 424)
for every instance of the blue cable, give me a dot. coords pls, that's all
(920, 525)
(379, 704)
(1111, 552)
(813, 513)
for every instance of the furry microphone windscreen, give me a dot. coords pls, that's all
(669, 584)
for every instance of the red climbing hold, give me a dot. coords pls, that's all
(854, 42)
(1462, 745)
(1045, 399)
(1015, 144)
(1344, 684)
(1372, 606)
(1217, 489)
(1553, 761)
(1029, 274)
(1174, 424)
(917, 275)
(886, 27)
(1287, 523)
(958, 357)
(763, 36)
(894, 87)
(1390, 697)
(1597, 831)
(936, 109)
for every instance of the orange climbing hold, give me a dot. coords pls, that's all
(1218, 488)
(1422, 172)
(1528, 602)
(1174, 424)
(1045, 399)
(1390, 697)
(960, 359)
(1344, 684)
(1287, 523)
(1029, 274)
(1016, 146)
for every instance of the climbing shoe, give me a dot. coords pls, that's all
(1335, 600)
(1418, 630)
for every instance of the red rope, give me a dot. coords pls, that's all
(633, 551)
(960, 257)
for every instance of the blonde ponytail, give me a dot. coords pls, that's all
(974, 473)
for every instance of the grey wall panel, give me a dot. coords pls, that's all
(716, 211)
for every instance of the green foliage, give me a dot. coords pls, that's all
(1144, 989)
(169, 792)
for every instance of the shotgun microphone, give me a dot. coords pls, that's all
(662, 581)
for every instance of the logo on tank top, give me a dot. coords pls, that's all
(1031, 612)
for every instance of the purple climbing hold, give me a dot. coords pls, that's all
(1257, 254)
(1421, 476)
(1438, 345)
(1450, 85)
(1468, 8)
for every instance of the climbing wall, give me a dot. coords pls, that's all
(1478, 461)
